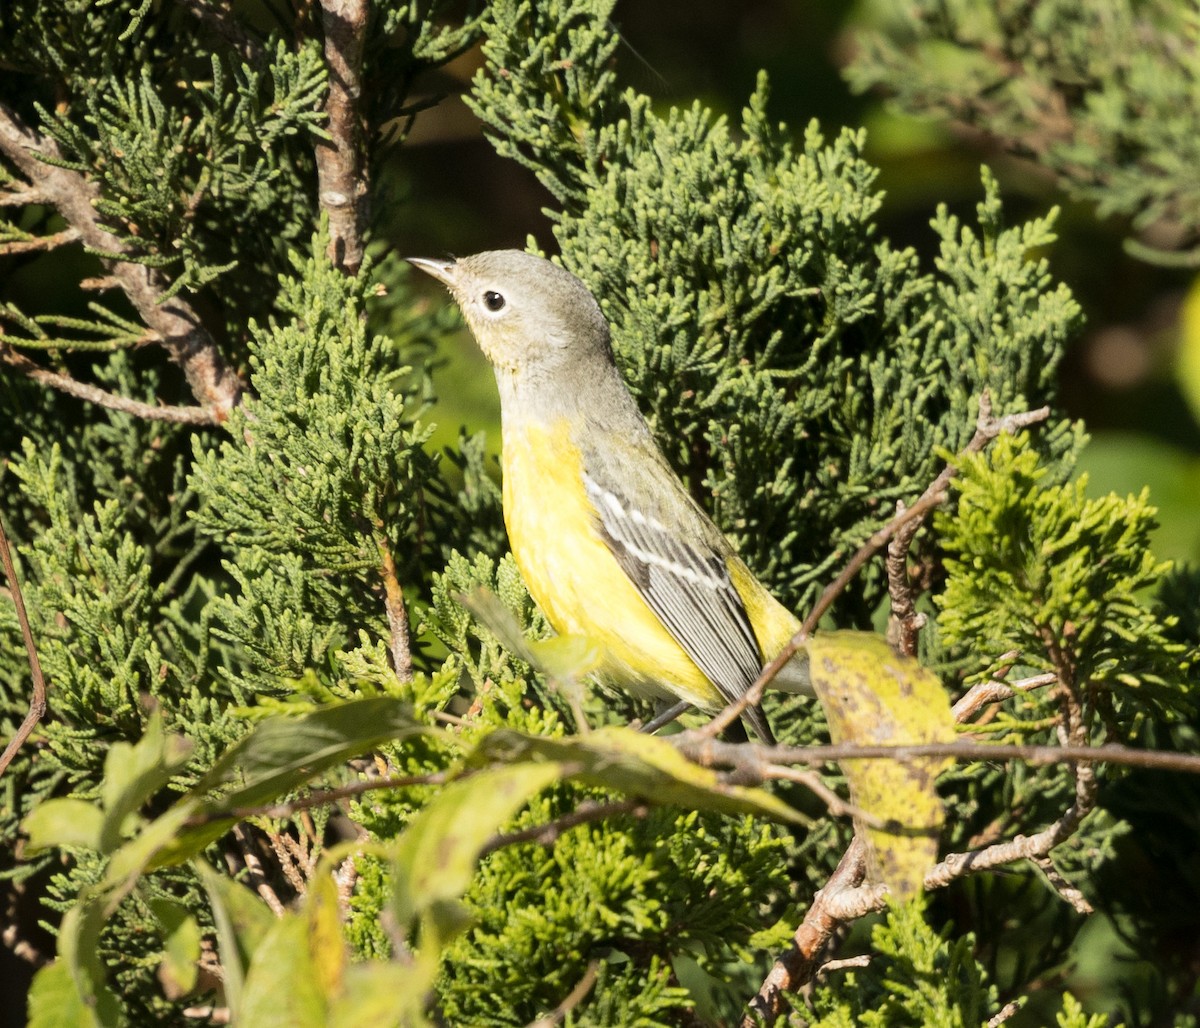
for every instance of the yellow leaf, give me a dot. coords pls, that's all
(874, 697)
(325, 935)
(638, 765)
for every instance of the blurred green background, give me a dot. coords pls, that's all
(1128, 373)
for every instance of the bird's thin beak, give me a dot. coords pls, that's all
(443, 271)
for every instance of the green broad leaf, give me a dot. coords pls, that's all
(282, 989)
(639, 765)
(242, 921)
(181, 947)
(282, 753)
(79, 932)
(565, 657)
(379, 993)
(325, 935)
(56, 1002)
(436, 855)
(562, 657)
(63, 822)
(873, 696)
(78, 951)
(157, 845)
(134, 773)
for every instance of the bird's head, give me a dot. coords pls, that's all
(527, 314)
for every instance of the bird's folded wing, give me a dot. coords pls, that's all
(689, 589)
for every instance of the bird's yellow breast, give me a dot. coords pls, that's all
(572, 575)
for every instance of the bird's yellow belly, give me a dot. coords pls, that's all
(572, 575)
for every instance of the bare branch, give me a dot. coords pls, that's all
(16, 246)
(753, 763)
(397, 612)
(99, 283)
(836, 806)
(800, 962)
(844, 898)
(254, 869)
(571, 1000)
(178, 327)
(37, 702)
(293, 861)
(103, 398)
(1066, 891)
(903, 620)
(547, 834)
(1005, 1013)
(345, 878)
(342, 172)
(316, 799)
(209, 1014)
(22, 197)
(983, 693)
(845, 964)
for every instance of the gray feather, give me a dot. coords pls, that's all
(690, 592)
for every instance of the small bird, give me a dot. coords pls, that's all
(610, 543)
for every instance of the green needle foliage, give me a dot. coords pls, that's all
(1103, 95)
(295, 593)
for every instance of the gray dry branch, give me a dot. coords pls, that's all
(846, 898)
(102, 397)
(342, 187)
(175, 324)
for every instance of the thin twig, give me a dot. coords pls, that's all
(290, 861)
(903, 620)
(547, 834)
(315, 799)
(753, 695)
(209, 1014)
(99, 283)
(1004, 1014)
(345, 878)
(100, 397)
(873, 545)
(993, 691)
(752, 762)
(254, 869)
(16, 246)
(836, 806)
(801, 960)
(37, 702)
(22, 197)
(341, 170)
(573, 998)
(845, 964)
(1067, 892)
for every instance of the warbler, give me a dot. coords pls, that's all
(609, 541)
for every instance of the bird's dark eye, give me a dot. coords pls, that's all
(493, 301)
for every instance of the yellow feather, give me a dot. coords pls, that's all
(572, 575)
